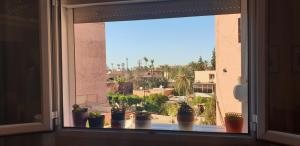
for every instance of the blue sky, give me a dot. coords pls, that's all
(174, 41)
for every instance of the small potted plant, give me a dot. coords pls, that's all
(234, 122)
(117, 116)
(185, 117)
(142, 119)
(96, 120)
(80, 116)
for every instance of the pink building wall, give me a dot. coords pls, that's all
(90, 63)
(228, 52)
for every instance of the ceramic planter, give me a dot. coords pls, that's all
(80, 118)
(143, 121)
(234, 125)
(118, 119)
(96, 122)
(185, 122)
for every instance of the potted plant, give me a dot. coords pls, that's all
(185, 117)
(142, 119)
(234, 122)
(80, 116)
(96, 120)
(117, 116)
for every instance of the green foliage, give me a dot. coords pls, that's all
(185, 109)
(213, 60)
(210, 112)
(149, 83)
(182, 84)
(143, 115)
(154, 102)
(120, 79)
(198, 100)
(169, 109)
(77, 108)
(124, 100)
(94, 114)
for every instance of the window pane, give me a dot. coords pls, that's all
(161, 74)
(20, 87)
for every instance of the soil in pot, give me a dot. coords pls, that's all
(97, 122)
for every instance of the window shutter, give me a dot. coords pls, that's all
(112, 10)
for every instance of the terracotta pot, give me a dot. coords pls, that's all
(80, 119)
(234, 125)
(97, 122)
(185, 122)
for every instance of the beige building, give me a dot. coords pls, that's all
(228, 64)
(207, 76)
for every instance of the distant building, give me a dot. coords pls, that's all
(204, 84)
(206, 76)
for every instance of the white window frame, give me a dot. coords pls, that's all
(67, 14)
(46, 74)
(263, 132)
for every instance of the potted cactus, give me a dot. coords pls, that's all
(185, 117)
(142, 119)
(234, 122)
(96, 120)
(80, 116)
(117, 116)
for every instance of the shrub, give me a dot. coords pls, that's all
(198, 100)
(169, 109)
(125, 100)
(154, 102)
(210, 112)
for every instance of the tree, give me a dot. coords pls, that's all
(202, 65)
(123, 66)
(146, 61)
(213, 60)
(182, 84)
(112, 66)
(119, 67)
(152, 63)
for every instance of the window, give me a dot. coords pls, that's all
(136, 74)
(25, 67)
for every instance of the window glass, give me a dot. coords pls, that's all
(20, 76)
(160, 74)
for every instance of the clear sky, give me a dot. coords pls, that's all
(174, 41)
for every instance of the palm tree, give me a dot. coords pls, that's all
(123, 66)
(146, 61)
(112, 66)
(152, 63)
(182, 84)
(119, 67)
